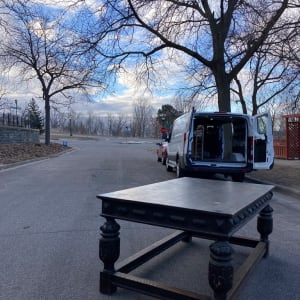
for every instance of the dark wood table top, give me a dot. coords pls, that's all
(192, 197)
(214, 196)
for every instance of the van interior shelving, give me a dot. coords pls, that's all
(219, 139)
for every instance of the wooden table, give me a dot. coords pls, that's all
(208, 209)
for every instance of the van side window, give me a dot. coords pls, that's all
(180, 125)
(262, 124)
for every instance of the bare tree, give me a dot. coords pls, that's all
(90, 123)
(142, 113)
(110, 122)
(269, 77)
(291, 103)
(273, 70)
(220, 35)
(119, 124)
(44, 49)
(3, 100)
(58, 119)
(185, 101)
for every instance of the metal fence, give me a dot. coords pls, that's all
(13, 120)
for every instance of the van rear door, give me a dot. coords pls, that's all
(263, 151)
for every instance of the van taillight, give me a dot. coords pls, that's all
(250, 148)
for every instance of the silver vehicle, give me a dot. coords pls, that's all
(226, 143)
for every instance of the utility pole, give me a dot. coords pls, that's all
(16, 102)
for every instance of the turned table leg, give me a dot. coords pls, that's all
(109, 251)
(220, 273)
(265, 226)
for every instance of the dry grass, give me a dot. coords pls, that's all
(288, 176)
(11, 153)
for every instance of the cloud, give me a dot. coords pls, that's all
(17, 89)
(128, 91)
(56, 4)
(94, 6)
(128, 88)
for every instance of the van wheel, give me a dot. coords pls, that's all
(238, 177)
(168, 168)
(179, 170)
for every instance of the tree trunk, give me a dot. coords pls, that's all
(47, 120)
(224, 104)
(254, 106)
(223, 90)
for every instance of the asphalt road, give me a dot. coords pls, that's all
(49, 229)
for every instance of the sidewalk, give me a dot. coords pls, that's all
(285, 175)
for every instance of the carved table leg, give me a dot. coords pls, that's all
(109, 251)
(220, 273)
(188, 238)
(265, 226)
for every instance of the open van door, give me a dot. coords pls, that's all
(263, 151)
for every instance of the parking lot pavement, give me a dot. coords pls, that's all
(49, 229)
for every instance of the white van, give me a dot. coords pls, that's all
(226, 143)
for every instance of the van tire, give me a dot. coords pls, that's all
(238, 177)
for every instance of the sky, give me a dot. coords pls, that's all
(127, 90)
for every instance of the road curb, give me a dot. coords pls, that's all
(279, 188)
